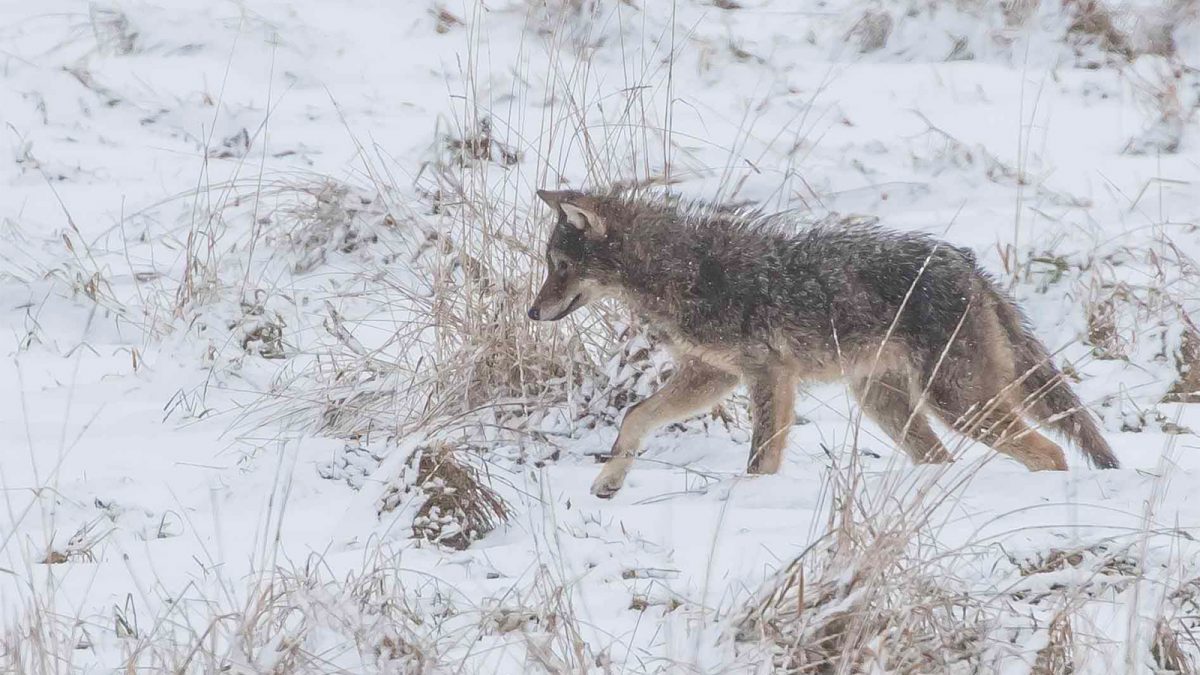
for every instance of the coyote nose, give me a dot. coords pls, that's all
(534, 313)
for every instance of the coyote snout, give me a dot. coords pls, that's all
(562, 293)
(912, 325)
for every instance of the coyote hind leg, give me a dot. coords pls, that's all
(694, 387)
(888, 400)
(1005, 432)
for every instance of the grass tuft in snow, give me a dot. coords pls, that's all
(1186, 389)
(457, 505)
(1058, 656)
(1167, 652)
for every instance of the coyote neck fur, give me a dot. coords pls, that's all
(718, 279)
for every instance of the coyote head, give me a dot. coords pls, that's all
(578, 256)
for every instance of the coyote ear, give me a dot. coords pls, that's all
(552, 197)
(575, 208)
(585, 220)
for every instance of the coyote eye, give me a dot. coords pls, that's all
(561, 266)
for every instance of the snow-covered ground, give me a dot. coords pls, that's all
(253, 254)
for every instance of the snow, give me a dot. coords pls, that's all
(182, 179)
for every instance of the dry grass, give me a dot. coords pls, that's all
(1166, 112)
(461, 343)
(282, 624)
(1058, 656)
(457, 506)
(462, 350)
(261, 332)
(1167, 652)
(463, 356)
(1186, 389)
(870, 598)
(1103, 333)
(1129, 314)
(481, 146)
(858, 623)
(1093, 21)
(871, 595)
(1128, 31)
(1098, 557)
(870, 33)
(114, 32)
(867, 598)
(325, 218)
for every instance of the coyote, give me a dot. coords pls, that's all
(908, 321)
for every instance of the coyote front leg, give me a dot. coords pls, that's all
(772, 397)
(694, 387)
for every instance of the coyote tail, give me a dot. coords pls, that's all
(1048, 398)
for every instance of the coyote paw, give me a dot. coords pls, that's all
(608, 483)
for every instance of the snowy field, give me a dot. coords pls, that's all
(272, 405)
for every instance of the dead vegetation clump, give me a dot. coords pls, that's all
(1058, 656)
(866, 597)
(444, 20)
(462, 343)
(113, 31)
(1186, 388)
(1103, 333)
(283, 621)
(945, 151)
(872, 30)
(375, 617)
(1135, 302)
(1100, 558)
(360, 394)
(1126, 31)
(328, 217)
(1175, 647)
(869, 597)
(502, 620)
(872, 610)
(84, 275)
(261, 332)
(457, 505)
(80, 547)
(1093, 22)
(234, 146)
(1168, 107)
(483, 352)
(394, 623)
(1069, 575)
(873, 607)
(1098, 33)
(1017, 12)
(1167, 651)
(1137, 305)
(481, 146)
(459, 344)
